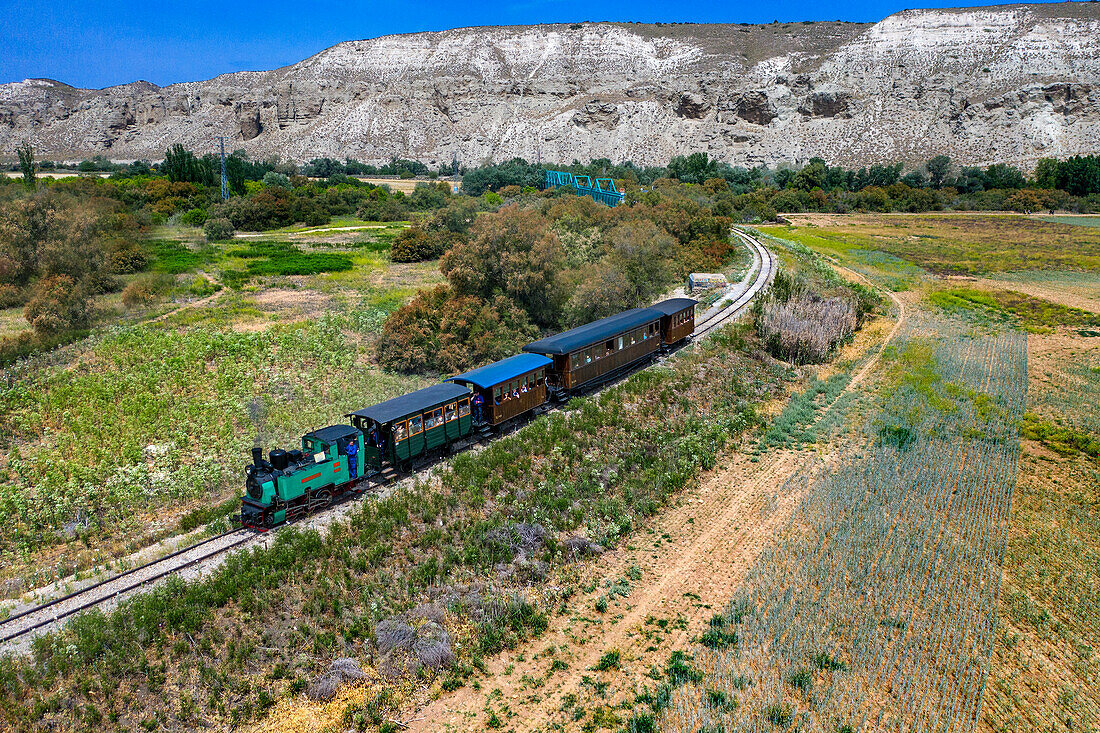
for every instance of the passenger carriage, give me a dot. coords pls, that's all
(509, 388)
(589, 354)
(410, 426)
(677, 319)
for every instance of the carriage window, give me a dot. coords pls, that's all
(539, 376)
(496, 395)
(416, 425)
(464, 407)
(399, 432)
(452, 411)
(620, 342)
(434, 419)
(588, 356)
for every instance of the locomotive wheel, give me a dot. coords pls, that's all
(324, 498)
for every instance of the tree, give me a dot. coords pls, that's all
(52, 233)
(181, 165)
(1003, 175)
(810, 177)
(26, 165)
(439, 331)
(939, 170)
(57, 304)
(915, 179)
(694, 168)
(272, 179)
(603, 291)
(642, 252)
(514, 253)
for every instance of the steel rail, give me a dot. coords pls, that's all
(114, 594)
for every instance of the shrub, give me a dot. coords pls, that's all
(778, 714)
(125, 256)
(806, 328)
(193, 218)
(416, 245)
(11, 296)
(610, 660)
(217, 230)
(146, 288)
(57, 304)
(801, 680)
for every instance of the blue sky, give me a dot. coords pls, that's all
(97, 43)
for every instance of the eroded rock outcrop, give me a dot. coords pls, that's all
(1008, 83)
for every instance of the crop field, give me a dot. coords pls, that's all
(1081, 221)
(877, 607)
(964, 244)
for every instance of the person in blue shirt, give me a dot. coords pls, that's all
(477, 402)
(353, 459)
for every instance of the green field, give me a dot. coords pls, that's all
(1081, 221)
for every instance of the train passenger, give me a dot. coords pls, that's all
(477, 402)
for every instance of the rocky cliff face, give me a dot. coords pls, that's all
(1010, 83)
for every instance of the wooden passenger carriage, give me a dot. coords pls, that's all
(677, 319)
(586, 355)
(509, 388)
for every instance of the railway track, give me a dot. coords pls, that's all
(40, 618)
(761, 274)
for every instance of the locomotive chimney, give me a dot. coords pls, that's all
(257, 456)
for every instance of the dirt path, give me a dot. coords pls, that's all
(680, 570)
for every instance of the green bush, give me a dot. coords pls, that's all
(416, 245)
(11, 296)
(193, 218)
(218, 230)
(126, 256)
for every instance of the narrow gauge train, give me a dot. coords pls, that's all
(334, 461)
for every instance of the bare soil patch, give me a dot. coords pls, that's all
(292, 302)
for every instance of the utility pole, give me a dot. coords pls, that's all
(454, 165)
(225, 178)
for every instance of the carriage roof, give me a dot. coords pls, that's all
(412, 403)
